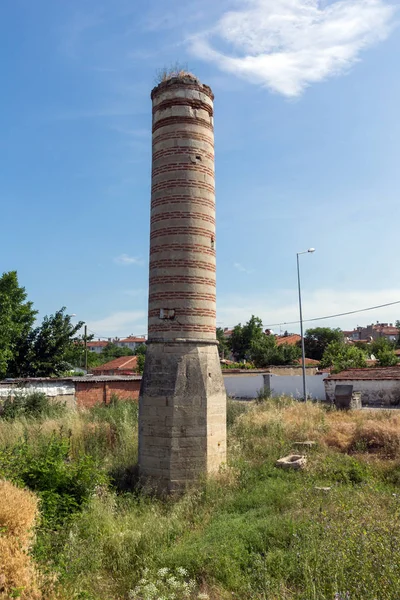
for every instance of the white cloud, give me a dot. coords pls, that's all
(286, 45)
(242, 269)
(282, 307)
(120, 323)
(125, 260)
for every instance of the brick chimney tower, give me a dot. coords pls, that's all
(182, 406)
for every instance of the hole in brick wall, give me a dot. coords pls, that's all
(198, 157)
(167, 313)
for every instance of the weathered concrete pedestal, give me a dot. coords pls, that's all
(182, 414)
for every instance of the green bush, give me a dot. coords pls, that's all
(63, 485)
(234, 408)
(36, 405)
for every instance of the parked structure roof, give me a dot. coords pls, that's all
(123, 363)
(291, 340)
(369, 373)
(84, 379)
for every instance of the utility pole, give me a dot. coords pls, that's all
(85, 348)
(303, 354)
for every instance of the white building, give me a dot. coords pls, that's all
(96, 346)
(130, 342)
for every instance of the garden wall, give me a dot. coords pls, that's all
(75, 391)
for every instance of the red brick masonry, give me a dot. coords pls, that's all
(89, 393)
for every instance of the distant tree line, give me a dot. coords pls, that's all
(50, 349)
(249, 343)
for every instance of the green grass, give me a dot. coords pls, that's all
(254, 532)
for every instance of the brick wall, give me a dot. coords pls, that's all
(89, 393)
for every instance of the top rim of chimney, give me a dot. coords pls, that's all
(182, 78)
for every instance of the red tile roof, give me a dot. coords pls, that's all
(131, 339)
(292, 340)
(97, 344)
(309, 362)
(123, 363)
(371, 373)
(387, 330)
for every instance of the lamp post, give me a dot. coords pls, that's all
(303, 354)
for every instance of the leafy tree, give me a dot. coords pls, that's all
(42, 353)
(318, 339)
(112, 351)
(381, 343)
(244, 336)
(223, 346)
(341, 356)
(265, 351)
(16, 319)
(398, 339)
(386, 357)
(75, 355)
(140, 352)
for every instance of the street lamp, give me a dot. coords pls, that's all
(303, 354)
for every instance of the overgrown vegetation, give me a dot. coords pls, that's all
(254, 531)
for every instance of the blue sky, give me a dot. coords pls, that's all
(307, 135)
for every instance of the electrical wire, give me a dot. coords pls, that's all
(350, 312)
(343, 314)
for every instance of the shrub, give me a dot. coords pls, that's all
(263, 395)
(63, 485)
(234, 408)
(36, 405)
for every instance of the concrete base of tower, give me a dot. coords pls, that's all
(182, 414)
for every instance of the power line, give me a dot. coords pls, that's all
(351, 312)
(343, 314)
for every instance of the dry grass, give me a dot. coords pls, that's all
(176, 71)
(18, 512)
(376, 431)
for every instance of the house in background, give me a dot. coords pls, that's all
(130, 342)
(124, 365)
(96, 346)
(373, 332)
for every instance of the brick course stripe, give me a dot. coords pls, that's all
(192, 102)
(183, 200)
(176, 167)
(180, 120)
(187, 312)
(181, 263)
(199, 168)
(176, 247)
(167, 216)
(179, 295)
(163, 327)
(181, 231)
(182, 135)
(181, 151)
(184, 184)
(180, 279)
